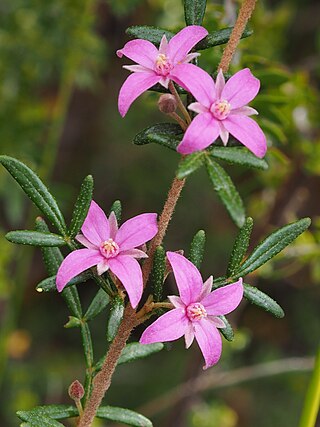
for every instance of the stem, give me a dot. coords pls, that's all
(244, 15)
(178, 119)
(88, 353)
(181, 106)
(312, 400)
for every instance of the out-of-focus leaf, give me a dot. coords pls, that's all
(190, 164)
(194, 11)
(240, 246)
(255, 296)
(32, 185)
(115, 317)
(121, 415)
(35, 238)
(272, 245)
(135, 350)
(197, 248)
(227, 331)
(157, 273)
(81, 206)
(98, 304)
(167, 134)
(227, 192)
(117, 209)
(240, 156)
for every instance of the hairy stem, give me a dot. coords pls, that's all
(181, 105)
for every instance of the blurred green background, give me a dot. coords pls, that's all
(60, 79)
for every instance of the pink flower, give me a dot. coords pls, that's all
(111, 248)
(196, 311)
(221, 109)
(156, 65)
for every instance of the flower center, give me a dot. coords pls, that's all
(220, 109)
(109, 248)
(196, 311)
(163, 65)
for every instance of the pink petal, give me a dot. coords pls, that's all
(137, 69)
(128, 271)
(206, 288)
(248, 132)
(136, 231)
(188, 278)
(133, 87)
(197, 108)
(181, 44)
(85, 242)
(75, 263)
(223, 300)
(224, 134)
(209, 340)
(96, 226)
(241, 88)
(220, 83)
(244, 111)
(141, 51)
(196, 81)
(135, 253)
(216, 321)
(169, 327)
(202, 132)
(189, 335)
(190, 57)
(102, 267)
(163, 45)
(113, 224)
(176, 301)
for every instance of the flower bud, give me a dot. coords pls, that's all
(76, 390)
(167, 103)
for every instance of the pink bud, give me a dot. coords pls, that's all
(167, 103)
(76, 390)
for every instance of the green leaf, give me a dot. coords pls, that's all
(157, 273)
(53, 258)
(73, 322)
(219, 37)
(36, 419)
(135, 350)
(98, 304)
(35, 190)
(272, 245)
(49, 284)
(240, 247)
(47, 414)
(166, 134)
(190, 164)
(194, 11)
(115, 317)
(238, 155)
(121, 415)
(227, 332)
(197, 248)
(81, 206)
(35, 238)
(146, 32)
(117, 209)
(226, 191)
(255, 296)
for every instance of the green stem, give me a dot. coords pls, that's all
(88, 354)
(312, 400)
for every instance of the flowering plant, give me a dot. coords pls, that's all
(128, 263)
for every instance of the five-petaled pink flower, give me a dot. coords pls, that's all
(108, 247)
(156, 65)
(196, 311)
(221, 109)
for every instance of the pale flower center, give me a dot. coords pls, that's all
(163, 65)
(221, 109)
(196, 311)
(109, 248)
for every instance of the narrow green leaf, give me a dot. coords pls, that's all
(227, 332)
(190, 164)
(121, 415)
(35, 238)
(240, 156)
(56, 412)
(81, 206)
(272, 245)
(115, 317)
(219, 37)
(166, 134)
(73, 322)
(197, 248)
(98, 304)
(135, 350)
(194, 11)
(146, 32)
(240, 247)
(35, 419)
(49, 284)
(35, 190)
(87, 343)
(157, 273)
(53, 258)
(227, 192)
(255, 296)
(117, 209)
